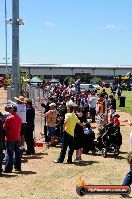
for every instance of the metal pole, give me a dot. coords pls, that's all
(6, 38)
(15, 45)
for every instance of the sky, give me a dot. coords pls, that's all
(71, 31)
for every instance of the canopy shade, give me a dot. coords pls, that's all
(36, 80)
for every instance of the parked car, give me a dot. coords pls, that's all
(84, 87)
(97, 86)
(106, 85)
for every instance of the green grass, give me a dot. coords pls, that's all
(128, 101)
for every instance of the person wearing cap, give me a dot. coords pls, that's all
(12, 126)
(30, 116)
(51, 117)
(68, 136)
(21, 111)
(7, 112)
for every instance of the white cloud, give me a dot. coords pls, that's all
(49, 24)
(111, 27)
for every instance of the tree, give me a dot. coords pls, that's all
(97, 80)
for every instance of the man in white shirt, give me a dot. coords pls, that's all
(92, 106)
(21, 111)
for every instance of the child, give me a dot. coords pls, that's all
(78, 137)
(88, 140)
(116, 120)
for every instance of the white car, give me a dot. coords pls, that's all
(97, 86)
(84, 87)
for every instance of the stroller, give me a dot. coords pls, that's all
(109, 140)
(88, 140)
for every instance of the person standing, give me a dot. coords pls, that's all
(21, 111)
(130, 123)
(12, 126)
(1, 141)
(112, 107)
(30, 116)
(68, 137)
(78, 137)
(51, 117)
(128, 178)
(92, 106)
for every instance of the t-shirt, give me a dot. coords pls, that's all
(51, 116)
(21, 111)
(117, 122)
(92, 101)
(71, 120)
(13, 126)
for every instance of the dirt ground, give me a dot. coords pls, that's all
(41, 178)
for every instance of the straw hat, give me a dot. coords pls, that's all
(20, 99)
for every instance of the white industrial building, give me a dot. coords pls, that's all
(57, 70)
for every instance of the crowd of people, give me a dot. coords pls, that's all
(67, 114)
(16, 129)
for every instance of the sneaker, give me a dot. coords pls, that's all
(17, 169)
(69, 162)
(57, 161)
(80, 159)
(7, 171)
(76, 160)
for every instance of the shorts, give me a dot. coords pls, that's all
(100, 118)
(51, 131)
(112, 112)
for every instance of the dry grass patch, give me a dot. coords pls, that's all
(42, 179)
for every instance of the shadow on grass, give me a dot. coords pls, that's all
(36, 156)
(85, 163)
(7, 175)
(124, 152)
(110, 155)
(119, 157)
(27, 172)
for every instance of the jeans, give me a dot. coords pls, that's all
(68, 140)
(128, 178)
(13, 156)
(1, 155)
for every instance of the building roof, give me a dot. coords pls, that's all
(92, 66)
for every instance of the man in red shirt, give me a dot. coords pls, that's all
(12, 126)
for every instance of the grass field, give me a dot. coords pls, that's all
(42, 179)
(128, 101)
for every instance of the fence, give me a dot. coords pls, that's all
(38, 94)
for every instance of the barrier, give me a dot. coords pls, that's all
(38, 94)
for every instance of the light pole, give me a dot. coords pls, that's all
(6, 39)
(15, 45)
